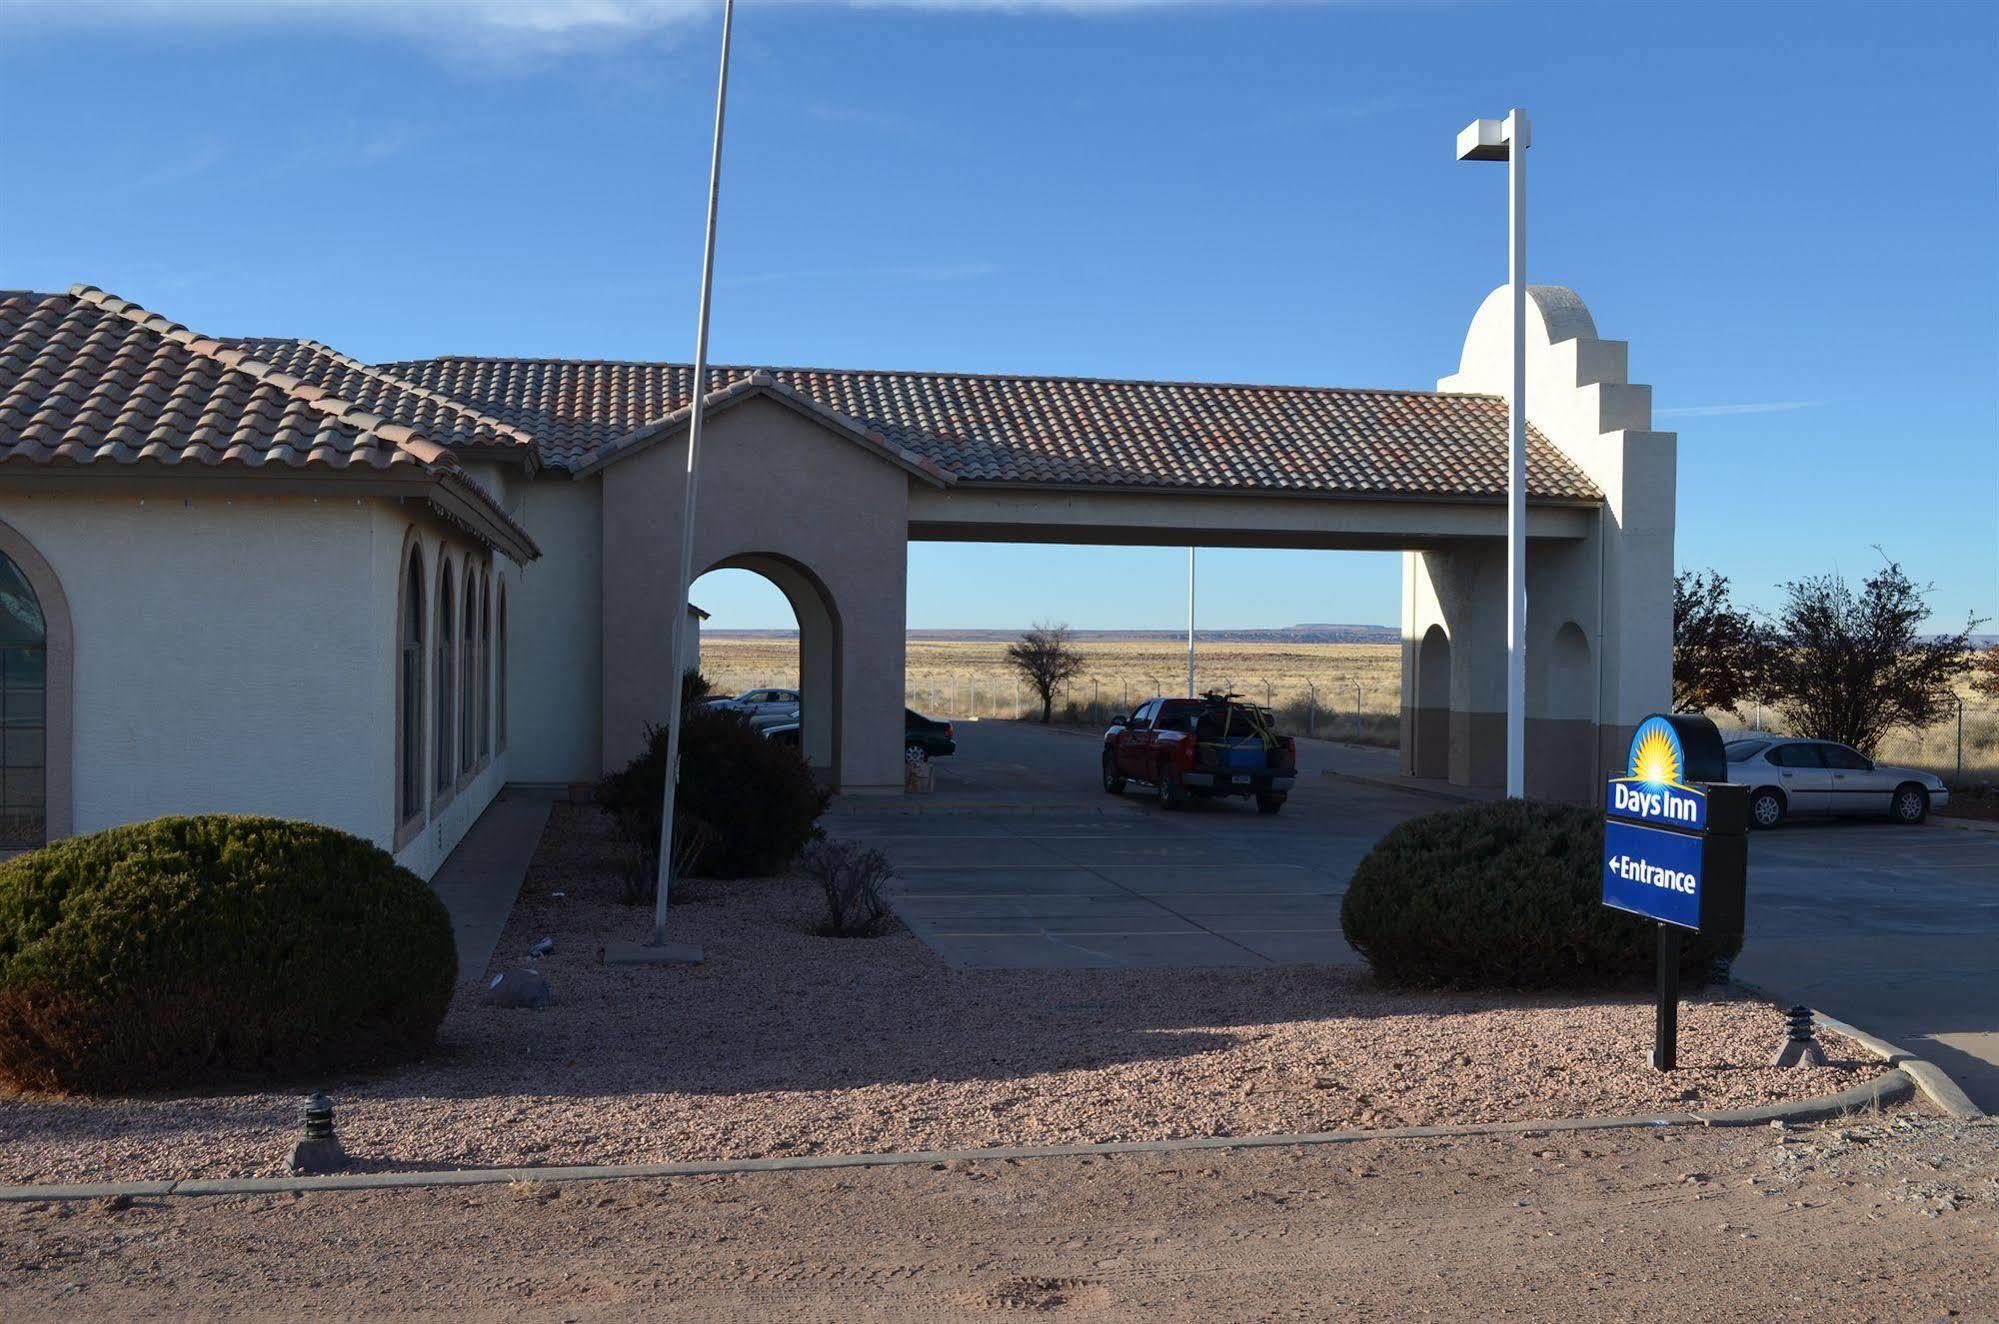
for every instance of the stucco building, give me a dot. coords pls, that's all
(257, 575)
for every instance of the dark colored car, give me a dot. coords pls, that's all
(925, 738)
(1210, 746)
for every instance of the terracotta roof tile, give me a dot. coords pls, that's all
(1063, 430)
(87, 378)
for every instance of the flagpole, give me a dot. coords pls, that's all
(684, 567)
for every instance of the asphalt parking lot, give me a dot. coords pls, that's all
(1020, 860)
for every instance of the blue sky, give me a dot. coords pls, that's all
(1791, 211)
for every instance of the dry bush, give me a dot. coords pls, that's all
(850, 877)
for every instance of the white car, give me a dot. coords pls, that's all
(767, 705)
(1787, 777)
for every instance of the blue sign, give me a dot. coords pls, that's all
(1652, 873)
(1663, 804)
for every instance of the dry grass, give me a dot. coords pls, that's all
(1312, 686)
(1315, 687)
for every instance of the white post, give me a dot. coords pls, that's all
(675, 722)
(1190, 622)
(1518, 138)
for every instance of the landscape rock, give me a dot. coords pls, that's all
(519, 988)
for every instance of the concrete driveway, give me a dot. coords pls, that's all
(1020, 861)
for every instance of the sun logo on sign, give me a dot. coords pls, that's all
(1656, 758)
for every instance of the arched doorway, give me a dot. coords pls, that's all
(1561, 715)
(35, 712)
(814, 669)
(1430, 725)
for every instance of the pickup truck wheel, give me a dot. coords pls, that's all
(1172, 795)
(1269, 804)
(1113, 783)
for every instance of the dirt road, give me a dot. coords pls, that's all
(1894, 1220)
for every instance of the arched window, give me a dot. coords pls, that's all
(24, 710)
(500, 680)
(485, 664)
(447, 748)
(409, 696)
(468, 673)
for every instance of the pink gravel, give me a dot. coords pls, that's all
(785, 1042)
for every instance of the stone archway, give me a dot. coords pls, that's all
(821, 675)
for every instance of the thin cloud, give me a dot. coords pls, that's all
(913, 272)
(522, 26)
(1726, 411)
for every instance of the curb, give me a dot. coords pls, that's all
(1392, 784)
(1890, 1087)
(1001, 808)
(1935, 1083)
(1964, 824)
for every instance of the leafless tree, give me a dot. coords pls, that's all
(1985, 675)
(1046, 659)
(1721, 654)
(1853, 666)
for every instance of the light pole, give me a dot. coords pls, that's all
(1508, 140)
(1190, 622)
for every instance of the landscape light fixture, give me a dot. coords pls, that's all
(1508, 140)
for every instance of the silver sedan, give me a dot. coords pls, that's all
(1787, 777)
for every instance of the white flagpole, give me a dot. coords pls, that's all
(1190, 622)
(685, 570)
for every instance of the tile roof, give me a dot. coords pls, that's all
(443, 419)
(87, 378)
(1058, 430)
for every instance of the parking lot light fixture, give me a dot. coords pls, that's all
(1508, 140)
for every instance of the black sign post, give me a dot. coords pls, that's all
(1675, 849)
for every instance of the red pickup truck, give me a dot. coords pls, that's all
(1209, 746)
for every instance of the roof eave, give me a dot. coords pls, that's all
(761, 385)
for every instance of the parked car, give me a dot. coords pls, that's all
(1211, 746)
(926, 738)
(1787, 777)
(762, 706)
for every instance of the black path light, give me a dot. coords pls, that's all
(317, 1149)
(1800, 1048)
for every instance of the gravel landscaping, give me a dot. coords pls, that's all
(785, 1042)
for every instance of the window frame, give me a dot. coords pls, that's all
(485, 739)
(412, 610)
(500, 671)
(58, 682)
(468, 674)
(444, 779)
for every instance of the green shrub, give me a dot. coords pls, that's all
(753, 801)
(198, 948)
(1506, 894)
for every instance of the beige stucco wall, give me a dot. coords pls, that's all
(235, 652)
(776, 487)
(556, 615)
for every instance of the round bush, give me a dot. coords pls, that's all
(752, 802)
(1508, 895)
(201, 948)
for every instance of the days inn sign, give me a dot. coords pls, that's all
(1676, 848)
(1674, 832)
